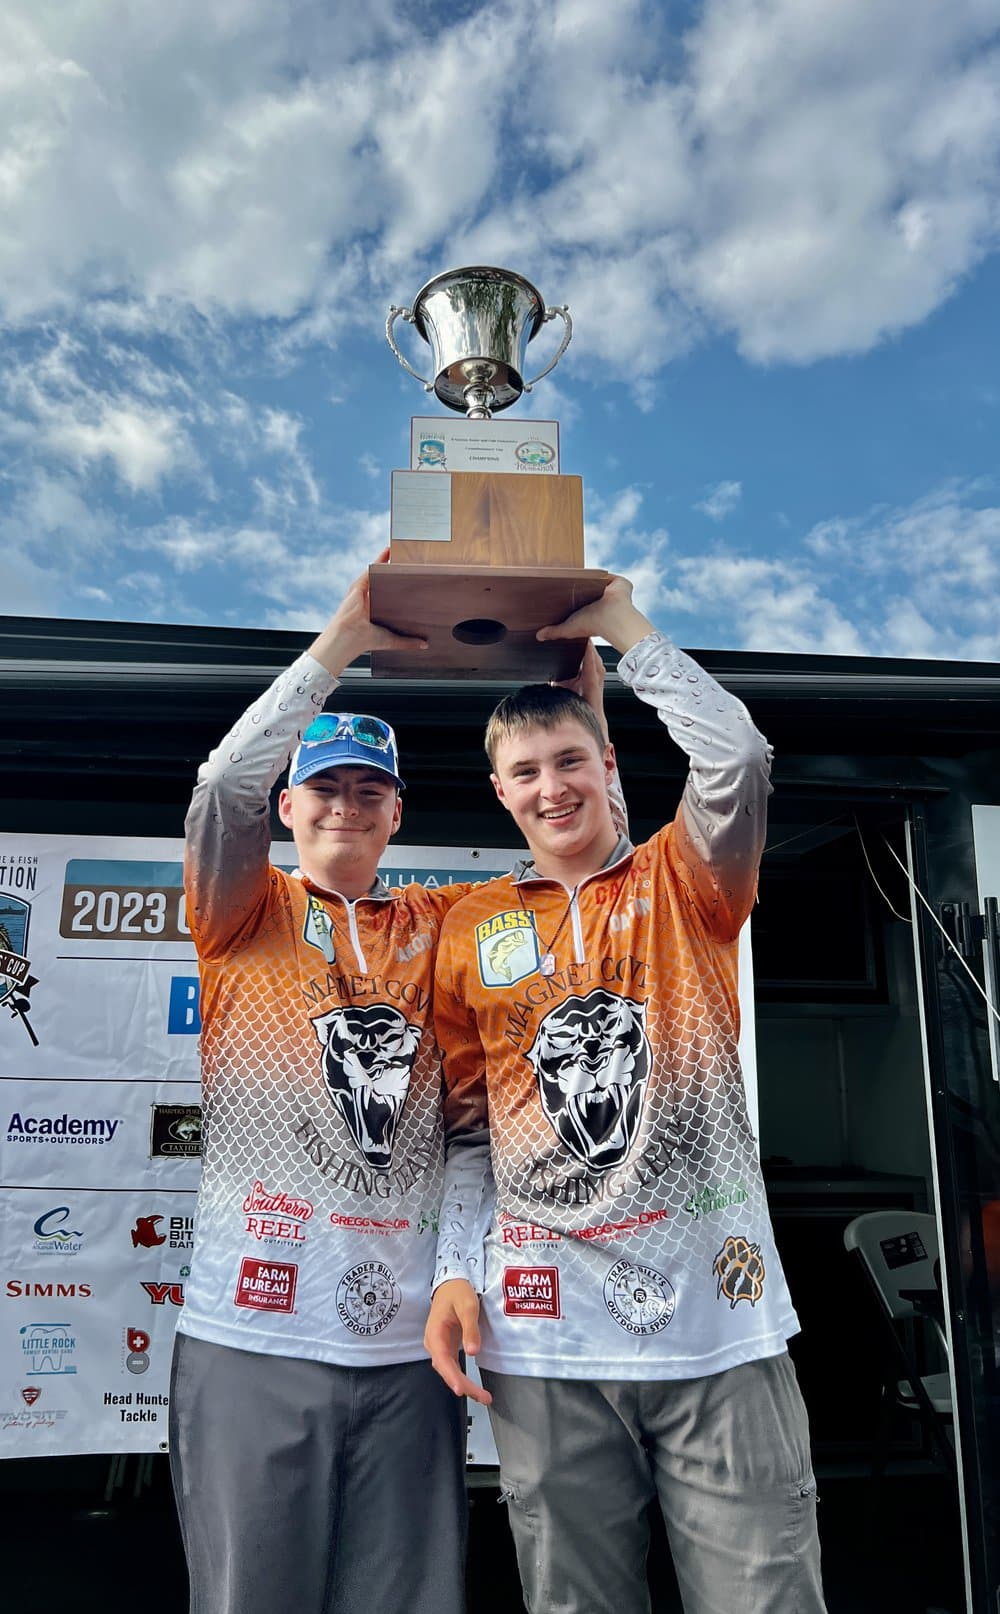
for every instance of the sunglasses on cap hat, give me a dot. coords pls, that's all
(345, 739)
(343, 725)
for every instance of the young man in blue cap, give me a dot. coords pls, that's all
(318, 1460)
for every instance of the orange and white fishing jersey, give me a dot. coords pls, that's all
(593, 1032)
(323, 1141)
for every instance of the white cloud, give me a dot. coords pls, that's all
(923, 580)
(53, 407)
(809, 178)
(927, 575)
(721, 500)
(195, 196)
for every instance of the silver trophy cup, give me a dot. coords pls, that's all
(478, 322)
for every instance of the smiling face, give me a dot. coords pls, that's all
(554, 783)
(342, 821)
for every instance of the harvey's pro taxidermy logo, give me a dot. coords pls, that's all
(16, 979)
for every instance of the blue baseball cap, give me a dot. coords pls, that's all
(345, 739)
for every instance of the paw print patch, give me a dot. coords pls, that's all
(739, 1267)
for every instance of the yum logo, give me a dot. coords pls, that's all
(160, 1293)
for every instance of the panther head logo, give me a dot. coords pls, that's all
(591, 1059)
(368, 1054)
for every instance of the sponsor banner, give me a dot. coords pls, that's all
(91, 1286)
(100, 1137)
(100, 1131)
(134, 1134)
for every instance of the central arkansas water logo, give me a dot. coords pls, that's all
(591, 1059)
(368, 1055)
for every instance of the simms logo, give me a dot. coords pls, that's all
(47, 1291)
(60, 1129)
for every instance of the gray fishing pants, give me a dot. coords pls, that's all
(316, 1489)
(727, 1458)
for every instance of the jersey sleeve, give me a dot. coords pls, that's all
(619, 810)
(718, 836)
(227, 829)
(468, 1193)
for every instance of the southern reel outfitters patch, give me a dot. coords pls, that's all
(507, 947)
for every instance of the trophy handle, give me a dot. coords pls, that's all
(407, 314)
(550, 313)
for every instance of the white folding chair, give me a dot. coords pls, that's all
(898, 1251)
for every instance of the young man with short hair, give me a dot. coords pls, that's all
(634, 1311)
(315, 1466)
(318, 1461)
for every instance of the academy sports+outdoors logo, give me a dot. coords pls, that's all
(63, 1128)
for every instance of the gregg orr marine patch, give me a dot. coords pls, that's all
(507, 947)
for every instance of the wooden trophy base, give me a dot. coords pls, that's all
(504, 557)
(480, 621)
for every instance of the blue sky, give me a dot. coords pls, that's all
(775, 223)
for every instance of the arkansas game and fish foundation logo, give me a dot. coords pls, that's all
(16, 979)
(534, 455)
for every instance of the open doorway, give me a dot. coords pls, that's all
(844, 1133)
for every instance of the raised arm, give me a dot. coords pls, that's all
(721, 824)
(227, 829)
(589, 685)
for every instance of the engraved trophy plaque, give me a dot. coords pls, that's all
(482, 557)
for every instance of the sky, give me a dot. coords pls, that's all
(775, 223)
